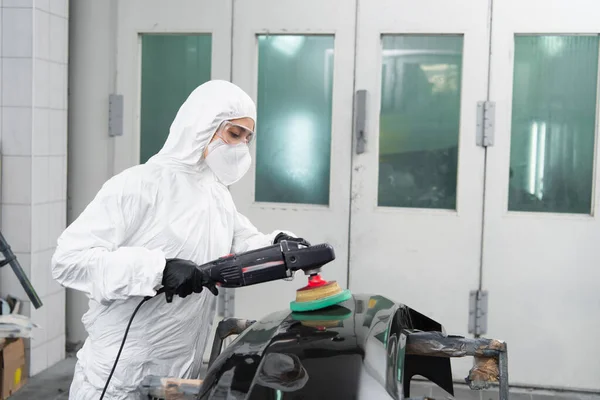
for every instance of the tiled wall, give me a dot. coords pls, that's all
(34, 49)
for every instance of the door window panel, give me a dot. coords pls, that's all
(172, 67)
(293, 138)
(419, 121)
(553, 123)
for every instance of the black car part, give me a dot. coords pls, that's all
(11, 259)
(340, 347)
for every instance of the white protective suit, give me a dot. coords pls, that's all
(171, 207)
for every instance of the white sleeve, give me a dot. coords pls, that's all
(246, 237)
(90, 256)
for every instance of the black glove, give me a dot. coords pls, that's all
(182, 277)
(284, 236)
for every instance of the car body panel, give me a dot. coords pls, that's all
(355, 350)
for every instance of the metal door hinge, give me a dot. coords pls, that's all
(360, 112)
(486, 121)
(478, 310)
(226, 302)
(115, 115)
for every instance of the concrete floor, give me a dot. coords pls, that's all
(54, 383)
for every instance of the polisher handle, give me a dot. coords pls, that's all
(308, 258)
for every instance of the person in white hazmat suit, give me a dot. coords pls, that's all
(147, 228)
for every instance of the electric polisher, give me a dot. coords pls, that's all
(281, 261)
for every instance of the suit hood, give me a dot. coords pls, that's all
(197, 121)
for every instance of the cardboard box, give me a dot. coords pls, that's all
(12, 366)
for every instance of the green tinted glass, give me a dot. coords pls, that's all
(172, 66)
(553, 123)
(419, 121)
(293, 131)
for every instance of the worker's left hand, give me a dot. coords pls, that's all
(285, 236)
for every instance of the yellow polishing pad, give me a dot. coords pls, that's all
(316, 293)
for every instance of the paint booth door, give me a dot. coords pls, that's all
(541, 253)
(417, 189)
(295, 59)
(163, 53)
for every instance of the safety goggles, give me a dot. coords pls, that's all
(233, 134)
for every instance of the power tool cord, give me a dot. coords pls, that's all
(122, 345)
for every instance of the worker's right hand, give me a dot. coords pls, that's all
(284, 236)
(182, 277)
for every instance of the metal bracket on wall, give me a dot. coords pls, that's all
(115, 115)
(478, 311)
(226, 302)
(486, 111)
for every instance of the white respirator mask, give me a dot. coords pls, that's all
(229, 162)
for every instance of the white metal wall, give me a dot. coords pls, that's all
(91, 80)
(92, 152)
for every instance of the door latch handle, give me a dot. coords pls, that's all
(360, 111)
